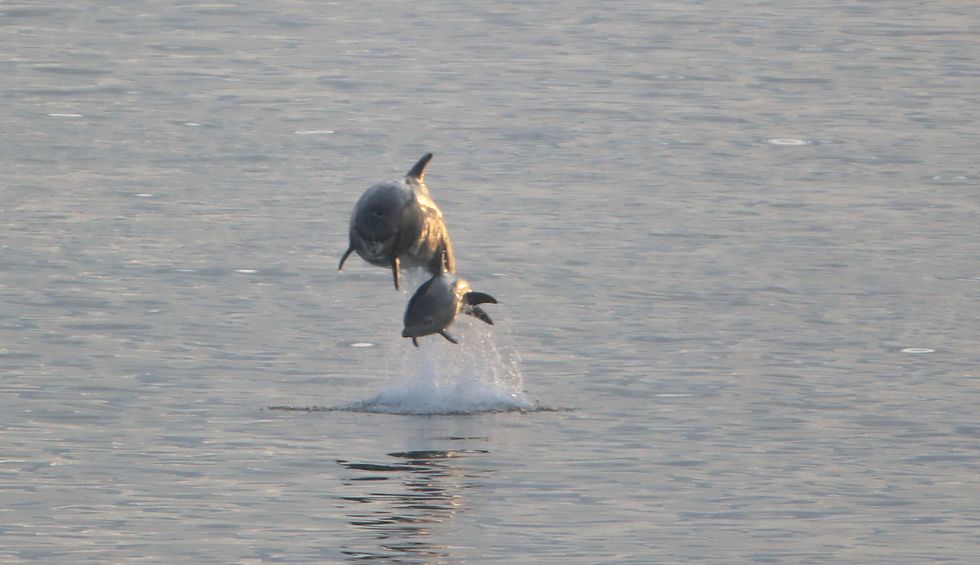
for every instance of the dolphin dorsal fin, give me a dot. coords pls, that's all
(417, 172)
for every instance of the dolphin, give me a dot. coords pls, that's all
(438, 301)
(396, 224)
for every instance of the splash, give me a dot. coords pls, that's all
(478, 375)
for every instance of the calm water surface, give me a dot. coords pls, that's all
(735, 245)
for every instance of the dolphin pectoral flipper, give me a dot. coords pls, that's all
(415, 342)
(449, 337)
(344, 258)
(418, 170)
(479, 314)
(396, 266)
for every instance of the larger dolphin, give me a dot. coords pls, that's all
(396, 224)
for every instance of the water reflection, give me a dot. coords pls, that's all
(401, 501)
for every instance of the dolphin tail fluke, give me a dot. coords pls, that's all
(473, 298)
(417, 172)
(396, 268)
(449, 337)
(479, 314)
(344, 258)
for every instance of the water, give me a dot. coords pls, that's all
(735, 246)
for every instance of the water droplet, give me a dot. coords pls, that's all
(246, 271)
(65, 115)
(312, 131)
(917, 350)
(787, 141)
(362, 344)
(192, 124)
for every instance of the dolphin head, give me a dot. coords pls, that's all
(379, 218)
(396, 224)
(419, 329)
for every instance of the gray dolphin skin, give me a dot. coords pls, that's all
(437, 302)
(397, 225)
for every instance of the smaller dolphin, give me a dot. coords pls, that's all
(396, 224)
(437, 302)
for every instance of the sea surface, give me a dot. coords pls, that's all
(735, 244)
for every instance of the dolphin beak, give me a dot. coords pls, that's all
(415, 331)
(415, 337)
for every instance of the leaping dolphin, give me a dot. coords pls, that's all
(437, 302)
(396, 224)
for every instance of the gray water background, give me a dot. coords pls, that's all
(735, 245)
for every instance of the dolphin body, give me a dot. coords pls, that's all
(437, 302)
(396, 224)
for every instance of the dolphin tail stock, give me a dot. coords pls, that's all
(447, 261)
(344, 258)
(417, 171)
(442, 261)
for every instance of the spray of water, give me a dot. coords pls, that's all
(478, 375)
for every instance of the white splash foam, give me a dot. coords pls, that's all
(442, 378)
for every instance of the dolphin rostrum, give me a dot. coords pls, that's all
(437, 302)
(396, 224)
